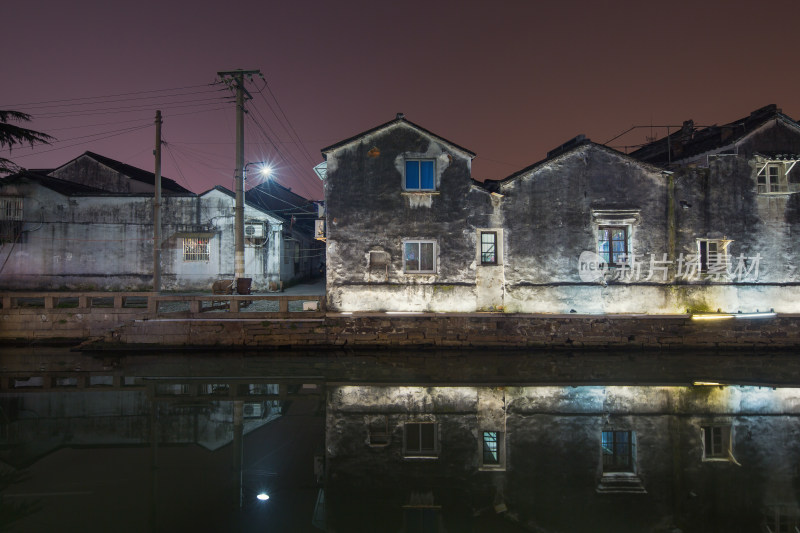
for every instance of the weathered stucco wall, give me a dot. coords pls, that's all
(368, 210)
(547, 220)
(105, 242)
(553, 457)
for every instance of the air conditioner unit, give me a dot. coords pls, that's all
(254, 231)
(253, 410)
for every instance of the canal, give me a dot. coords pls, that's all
(391, 440)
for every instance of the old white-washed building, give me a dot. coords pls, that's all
(700, 221)
(89, 225)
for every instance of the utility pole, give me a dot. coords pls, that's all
(157, 210)
(238, 224)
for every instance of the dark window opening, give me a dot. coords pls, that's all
(618, 450)
(421, 438)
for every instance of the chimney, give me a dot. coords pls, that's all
(401, 116)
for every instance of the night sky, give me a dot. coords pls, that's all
(507, 80)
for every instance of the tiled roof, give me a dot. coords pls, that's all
(399, 120)
(688, 141)
(135, 173)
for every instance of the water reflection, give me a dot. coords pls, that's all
(399, 442)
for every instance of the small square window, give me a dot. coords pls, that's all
(612, 244)
(195, 249)
(618, 451)
(420, 438)
(419, 256)
(419, 175)
(717, 442)
(378, 427)
(488, 248)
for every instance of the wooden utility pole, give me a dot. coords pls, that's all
(157, 210)
(238, 80)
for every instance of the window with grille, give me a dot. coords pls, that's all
(618, 451)
(10, 208)
(195, 249)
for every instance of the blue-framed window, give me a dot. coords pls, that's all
(419, 175)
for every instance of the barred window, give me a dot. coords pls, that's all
(10, 208)
(195, 249)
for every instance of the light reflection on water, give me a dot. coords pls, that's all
(187, 441)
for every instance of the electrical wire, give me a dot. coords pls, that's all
(112, 95)
(121, 132)
(40, 106)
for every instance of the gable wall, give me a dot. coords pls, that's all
(369, 211)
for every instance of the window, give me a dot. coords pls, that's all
(419, 256)
(612, 244)
(419, 175)
(488, 248)
(420, 438)
(378, 430)
(10, 208)
(491, 447)
(717, 442)
(195, 249)
(421, 520)
(713, 254)
(618, 451)
(772, 178)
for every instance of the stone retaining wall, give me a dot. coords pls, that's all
(133, 326)
(475, 330)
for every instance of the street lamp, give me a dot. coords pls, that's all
(238, 213)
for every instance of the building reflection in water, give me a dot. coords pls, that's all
(179, 443)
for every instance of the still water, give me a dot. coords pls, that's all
(398, 441)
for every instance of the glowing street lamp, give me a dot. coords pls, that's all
(238, 222)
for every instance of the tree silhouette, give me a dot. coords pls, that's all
(12, 135)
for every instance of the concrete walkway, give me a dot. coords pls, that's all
(315, 287)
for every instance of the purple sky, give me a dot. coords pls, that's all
(507, 80)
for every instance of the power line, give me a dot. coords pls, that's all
(148, 107)
(121, 132)
(114, 95)
(291, 127)
(119, 100)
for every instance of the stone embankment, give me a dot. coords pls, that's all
(144, 319)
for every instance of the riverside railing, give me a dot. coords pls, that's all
(155, 305)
